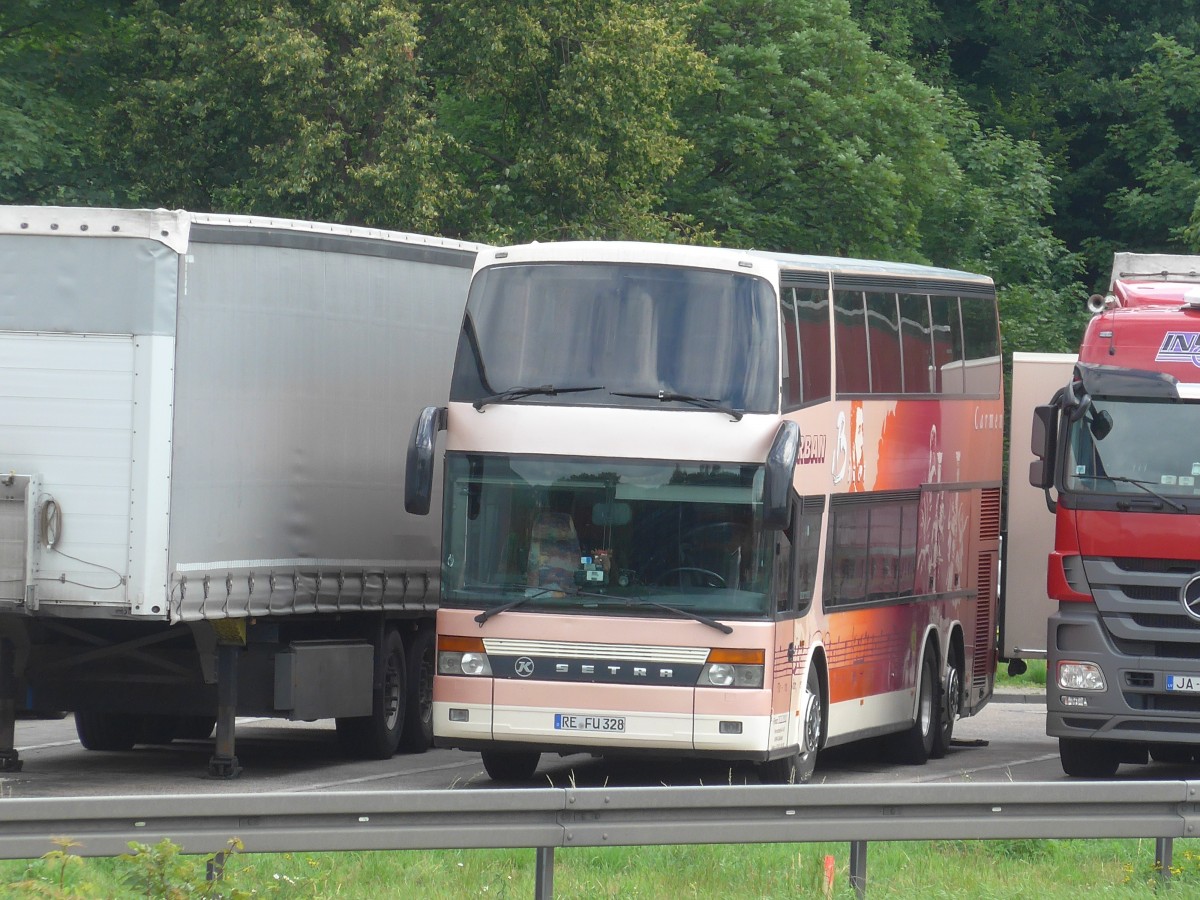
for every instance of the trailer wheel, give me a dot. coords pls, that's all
(417, 736)
(378, 735)
(1089, 759)
(951, 706)
(158, 729)
(510, 765)
(107, 731)
(196, 728)
(915, 745)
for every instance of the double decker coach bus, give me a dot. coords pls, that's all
(714, 503)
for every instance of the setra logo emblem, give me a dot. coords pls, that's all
(1180, 346)
(523, 667)
(1189, 596)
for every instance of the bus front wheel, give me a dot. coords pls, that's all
(798, 768)
(510, 765)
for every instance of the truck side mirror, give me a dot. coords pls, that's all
(418, 467)
(1043, 442)
(777, 479)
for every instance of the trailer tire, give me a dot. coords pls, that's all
(1089, 759)
(107, 730)
(196, 728)
(510, 765)
(158, 729)
(915, 745)
(378, 735)
(417, 736)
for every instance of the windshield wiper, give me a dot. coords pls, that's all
(503, 607)
(674, 397)
(642, 601)
(516, 393)
(1145, 486)
(625, 601)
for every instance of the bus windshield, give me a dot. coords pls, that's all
(605, 536)
(641, 330)
(1108, 453)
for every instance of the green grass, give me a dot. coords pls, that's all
(1035, 676)
(1049, 870)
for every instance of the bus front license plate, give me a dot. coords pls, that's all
(568, 722)
(1185, 684)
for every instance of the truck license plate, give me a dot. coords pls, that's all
(568, 722)
(1187, 684)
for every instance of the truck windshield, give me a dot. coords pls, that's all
(1135, 447)
(605, 537)
(638, 330)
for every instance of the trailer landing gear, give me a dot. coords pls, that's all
(10, 759)
(223, 763)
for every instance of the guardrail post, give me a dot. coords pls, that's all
(1163, 851)
(544, 884)
(214, 870)
(858, 868)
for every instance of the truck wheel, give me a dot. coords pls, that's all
(1089, 759)
(417, 736)
(107, 731)
(951, 706)
(915, 745)
(510, 765)
(799, 767)
(376, 736)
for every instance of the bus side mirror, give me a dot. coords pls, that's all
(418, 467)
(777, 480)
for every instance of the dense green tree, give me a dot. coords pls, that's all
(811, 140)
(44, 100)
(562, 113)
(1058, 72)
(307, 109)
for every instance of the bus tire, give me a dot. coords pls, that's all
(417, 736)
(107, 730)
(798, 768)
(1089, 759)
(378, 735)
(914, 745)
(510, 765)
(951, 706)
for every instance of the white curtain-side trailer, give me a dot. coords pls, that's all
(203, 421)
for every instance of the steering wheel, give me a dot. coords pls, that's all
(700, 577)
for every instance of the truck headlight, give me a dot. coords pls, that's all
(1080, 676)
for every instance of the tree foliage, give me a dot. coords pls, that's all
(1024, 138)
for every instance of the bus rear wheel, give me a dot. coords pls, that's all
(915, 745)
(951, 706)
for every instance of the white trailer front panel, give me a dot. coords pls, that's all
(1029, 537)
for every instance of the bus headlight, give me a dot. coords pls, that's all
(462, 656)
(732, 669)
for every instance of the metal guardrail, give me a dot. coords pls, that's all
(548, 818)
